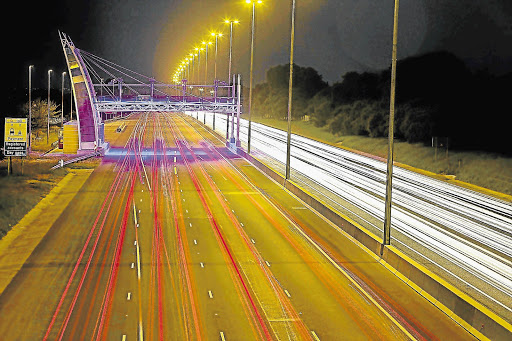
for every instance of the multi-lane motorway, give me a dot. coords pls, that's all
(173, 237)
(463, 235)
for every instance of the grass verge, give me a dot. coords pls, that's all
(19, 193)
(30, 181)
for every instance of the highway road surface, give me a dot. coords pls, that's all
(463, 235)
(174, 237)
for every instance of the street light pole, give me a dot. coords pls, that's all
(198, 64)
(230, 22)
(193, 56)
(250, 73)
(30, 108)
(188, 69)
(62, 102)
(387, 209)
(206, 43)
(48, 105)
(216, 35)
(290, 84)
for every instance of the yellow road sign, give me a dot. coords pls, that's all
(15, 137)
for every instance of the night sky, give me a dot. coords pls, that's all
(332, 36)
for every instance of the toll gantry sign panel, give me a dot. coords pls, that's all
(15, 137)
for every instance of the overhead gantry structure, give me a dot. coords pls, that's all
(117, 91)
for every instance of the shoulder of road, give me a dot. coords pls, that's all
(22, 239)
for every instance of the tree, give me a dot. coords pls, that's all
(271, 97)
(40, 112)
(355, 86)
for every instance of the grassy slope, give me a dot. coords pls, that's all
(20, 193)
(482, 169)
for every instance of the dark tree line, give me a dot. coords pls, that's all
(436, 95)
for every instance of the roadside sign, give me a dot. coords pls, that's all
(15, 137)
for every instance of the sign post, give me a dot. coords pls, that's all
(15, 137)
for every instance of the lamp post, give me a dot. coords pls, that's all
(389, 177)
(206, 44)
(48, 104)
(216, 35)
(30, 108)
(186, 68)
(253, 2)
(193, 57)
(230, 22)
(289, 133)
(62, 102)
(198, 62)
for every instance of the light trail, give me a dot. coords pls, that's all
(471, 230)
(160, 166)
(182, 145)
(110, 195)
(342, 296)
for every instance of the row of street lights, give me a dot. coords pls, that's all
(50, 71)
(184, 68)
(389, 173)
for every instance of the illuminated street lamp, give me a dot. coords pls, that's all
(48, 103)
(216, 35)
(198, 49)
(193, 57)
(230, 22)
(206, 45)
(186, 67)
(253, 2)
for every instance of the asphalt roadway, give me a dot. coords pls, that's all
(173, 237)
